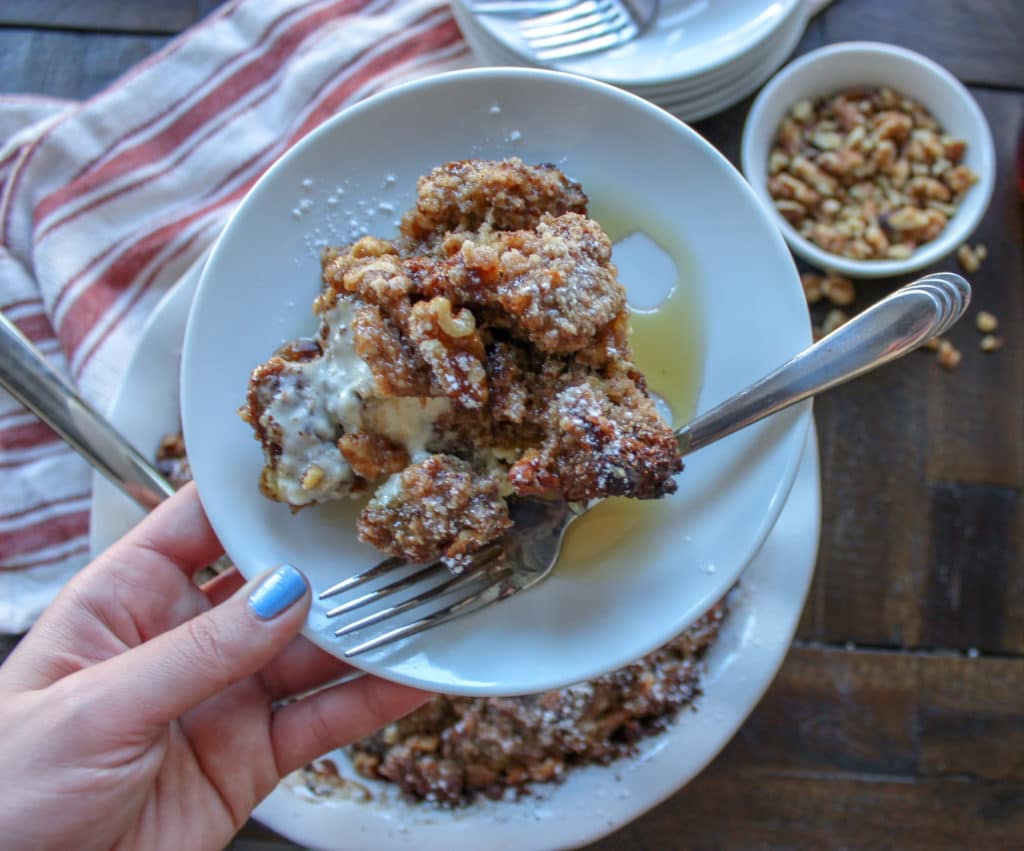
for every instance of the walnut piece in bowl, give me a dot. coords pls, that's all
(874, 160)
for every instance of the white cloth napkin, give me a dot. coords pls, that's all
(104, 204)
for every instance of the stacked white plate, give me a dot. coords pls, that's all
(697, 58)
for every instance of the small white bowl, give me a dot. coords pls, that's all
(863, 63)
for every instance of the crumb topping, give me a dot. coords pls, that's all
(437, 507)
(483, 353)
(501, 195)
(455, 749)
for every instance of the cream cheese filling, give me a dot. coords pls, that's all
(320, 399)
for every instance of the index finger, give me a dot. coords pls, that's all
(177, 531)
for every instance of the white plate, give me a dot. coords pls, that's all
(490, 51)
(690, 99)
(146, 405)
(718, 100)
(597, 800)
(593, 801)
(689, 37)
(256, 290)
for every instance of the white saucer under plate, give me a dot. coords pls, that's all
(593, 801)
(686, 39)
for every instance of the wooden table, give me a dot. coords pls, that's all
(898, 717)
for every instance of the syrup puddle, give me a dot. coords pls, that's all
(668, 346)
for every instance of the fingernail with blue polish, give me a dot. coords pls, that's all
(277, 592)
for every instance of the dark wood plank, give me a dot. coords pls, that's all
(980, 42)
(898, 440)
(874, 526)
(68, 64)
(765, 811)
(7, 644)
(1011, 595)
(910, 716)
(975, 555)
(846, 741)
(969, 722)
(861, 749)
(255, 837)
(976, 426)
(135, 16)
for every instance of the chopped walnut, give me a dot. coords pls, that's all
(834, 319)
(812, 287)
(972, 258)
(312, 477)
(960, 179)
(866, 174)
(949, 355)
(838, 290)
(372, 456)
(456, 360)
(986, 322)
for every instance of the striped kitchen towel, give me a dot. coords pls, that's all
(104, 204)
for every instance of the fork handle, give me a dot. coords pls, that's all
(30, 379)
(889, 329)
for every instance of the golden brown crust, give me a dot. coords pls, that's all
(454, 749)
(558, 287)
(398, 369)
(264, 385)
(554, 286)
(437, 507)
(501, 195)
(372, 456)
(602, 437)
(500, 302)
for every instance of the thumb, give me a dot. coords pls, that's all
(168, 675)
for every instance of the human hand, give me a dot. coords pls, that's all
(139, 711)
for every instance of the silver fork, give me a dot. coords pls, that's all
(560, 30)
(33, 382)
(528, 553)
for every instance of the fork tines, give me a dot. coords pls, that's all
(586, 27)
(474, 587)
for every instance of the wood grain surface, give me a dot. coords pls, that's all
(897, 720)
